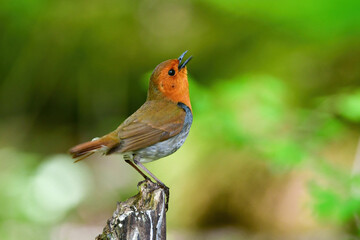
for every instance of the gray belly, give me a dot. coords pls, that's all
(169, 146)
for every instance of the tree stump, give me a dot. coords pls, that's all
(142, 216)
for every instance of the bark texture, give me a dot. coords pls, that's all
(142, 216)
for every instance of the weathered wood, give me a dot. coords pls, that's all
(142, 216)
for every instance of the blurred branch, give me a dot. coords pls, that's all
(142, 216)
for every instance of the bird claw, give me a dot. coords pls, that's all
(143, 181)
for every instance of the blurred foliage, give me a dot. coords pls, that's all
(348, 106)
(275, 89)
(38, 195)
(255, 111)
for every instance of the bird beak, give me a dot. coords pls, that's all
(186, 61)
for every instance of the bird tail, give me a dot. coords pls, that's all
(103, 144)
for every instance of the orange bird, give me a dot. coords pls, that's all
(157, 129)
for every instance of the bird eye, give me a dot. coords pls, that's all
(171, 72)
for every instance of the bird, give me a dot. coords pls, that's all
(157, 129)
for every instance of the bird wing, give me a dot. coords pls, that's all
(153, 122)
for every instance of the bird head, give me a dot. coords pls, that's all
(169, 81)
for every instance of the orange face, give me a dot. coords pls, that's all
(170, 82)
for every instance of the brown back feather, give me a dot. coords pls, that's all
(153, 122)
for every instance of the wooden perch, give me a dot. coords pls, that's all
(142, 216)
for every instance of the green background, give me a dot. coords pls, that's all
(275, 90)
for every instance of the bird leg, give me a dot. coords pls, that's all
(148, 172)
(162, 185)
(137, 169)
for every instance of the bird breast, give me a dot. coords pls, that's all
(169, 146)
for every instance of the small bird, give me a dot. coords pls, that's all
(157, 129)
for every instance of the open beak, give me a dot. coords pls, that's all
(184, 63)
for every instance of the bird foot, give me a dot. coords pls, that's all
(143, 181)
